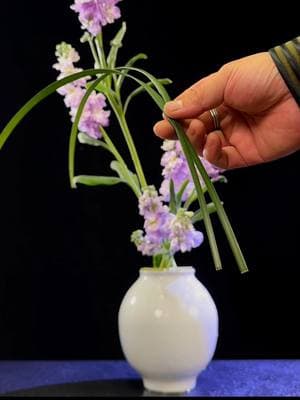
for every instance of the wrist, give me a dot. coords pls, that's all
(287, 60)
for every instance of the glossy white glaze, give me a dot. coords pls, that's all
(168, 327)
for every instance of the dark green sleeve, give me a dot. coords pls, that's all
(287, 60)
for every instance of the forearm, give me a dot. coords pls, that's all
(287, 60)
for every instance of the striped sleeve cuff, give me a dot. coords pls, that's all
(287, 60)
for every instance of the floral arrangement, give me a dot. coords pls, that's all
(92, 96)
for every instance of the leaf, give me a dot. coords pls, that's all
(83, 138)
(74, 130)
(172, 203)
(221, 179)
(122, 171)
(181, 191)
(93, 180)
(140, 90)
(232, 240)
(116, 44)
(198, 215)
(40, 96)
(130, 63)
(129, 177)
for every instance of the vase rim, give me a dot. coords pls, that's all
(169, 271)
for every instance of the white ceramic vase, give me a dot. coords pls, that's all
(168, 328)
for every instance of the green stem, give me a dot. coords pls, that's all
(100, 50)
(119, 158)
(102, 57)
(94, 53)
(189, 201)
(201, 199)
(129, 141)
(232, 240)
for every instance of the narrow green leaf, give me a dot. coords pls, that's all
(74, 130)
(128, 176)
(201, 198)
(40, 96)
(234, 245)
(116, 44)
(172, 203)
(130, 63)
(140, 90)
(124, 172)
(190, 200)
(93, 180)
(198, 215)
(83, 138)
(181, 191)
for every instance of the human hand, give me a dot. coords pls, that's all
(259, 118)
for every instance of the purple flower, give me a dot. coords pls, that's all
(175, 167)
(93, 115)
(150, 203)
(164, 232)
(73, 96)
(94, 14)
(183, 235)
(157, 217)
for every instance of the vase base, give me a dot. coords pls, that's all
(174, 386)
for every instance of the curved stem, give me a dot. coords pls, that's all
(129, 141)
(94, 53)
(119, 158)
(100, 50)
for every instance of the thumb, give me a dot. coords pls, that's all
(204, 95)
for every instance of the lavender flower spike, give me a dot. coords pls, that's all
(94, 115)
(175, 168)
(94, 14)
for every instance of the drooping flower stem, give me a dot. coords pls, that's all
(234, 245)
(232, 240)
(202, 202)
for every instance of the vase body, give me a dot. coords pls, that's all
(168, 328)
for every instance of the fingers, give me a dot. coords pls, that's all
(204, 95)
(164, 130)
(206, 125)
(217, 152)
(195, 129)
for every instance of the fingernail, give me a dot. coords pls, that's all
(155, 129)
(174, 105)
(205, 154)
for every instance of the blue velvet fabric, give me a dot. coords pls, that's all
(117, 378)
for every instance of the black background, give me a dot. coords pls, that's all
(66, 260)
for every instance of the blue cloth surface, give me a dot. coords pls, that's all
(109, 378)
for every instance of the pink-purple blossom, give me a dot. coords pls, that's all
(164, 232)
(175, 167)
(94, 14)
(183, 236)
(94, 115)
